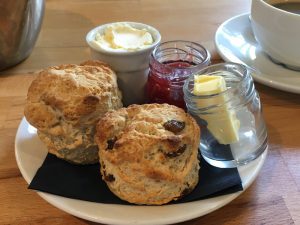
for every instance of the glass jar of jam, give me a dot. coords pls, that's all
(171, 63)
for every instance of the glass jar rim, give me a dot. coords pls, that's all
(245, 75)
(203, 62)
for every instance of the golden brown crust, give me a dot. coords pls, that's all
(72, 90)
(149, 163)
(95, 63)
(65, 102)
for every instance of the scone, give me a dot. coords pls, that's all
(148, 153)
(65, 102)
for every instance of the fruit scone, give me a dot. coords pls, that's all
(65, 102)
(148, 153)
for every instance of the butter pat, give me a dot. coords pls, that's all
(222, 122)
(123, 37)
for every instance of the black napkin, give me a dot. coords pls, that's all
(61, 178)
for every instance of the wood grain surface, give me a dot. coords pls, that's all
(274, 197)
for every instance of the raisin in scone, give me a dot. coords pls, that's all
(148, 153)
(65, 102)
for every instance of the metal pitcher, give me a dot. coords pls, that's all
(20, 23)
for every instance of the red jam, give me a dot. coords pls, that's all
(162, 88)
(171, 63)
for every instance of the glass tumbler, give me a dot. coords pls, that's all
(233, 130)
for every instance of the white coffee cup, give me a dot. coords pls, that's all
(131, 67)
(277, 31)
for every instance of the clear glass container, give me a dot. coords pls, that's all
(170, 65)
(233, 130)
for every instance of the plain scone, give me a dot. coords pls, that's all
(148, 153)
(65, 102)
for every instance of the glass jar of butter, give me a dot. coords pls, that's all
(223, 100)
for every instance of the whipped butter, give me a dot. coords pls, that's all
(224, 124)
(123, 37)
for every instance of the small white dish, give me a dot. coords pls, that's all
(235, 42)
(30, 154)
(131, 67)
(124, 61)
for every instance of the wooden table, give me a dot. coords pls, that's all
(274, 197)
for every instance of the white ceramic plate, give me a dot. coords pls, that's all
(30, 154)
(235, 42)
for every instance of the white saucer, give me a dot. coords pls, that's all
(235, 42)
(31, 152)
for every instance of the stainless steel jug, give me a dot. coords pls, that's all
(20, 23)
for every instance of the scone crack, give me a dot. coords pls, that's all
(91, 100)
(176, 153)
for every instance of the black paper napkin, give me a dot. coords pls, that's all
(61, 178)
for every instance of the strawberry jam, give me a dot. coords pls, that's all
(170, 65)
